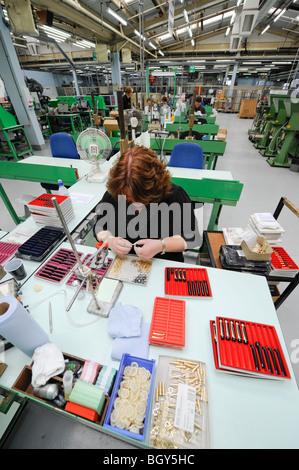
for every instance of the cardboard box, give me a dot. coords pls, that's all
(252, 255)
(222, 134)
(114, 114)
(111, 125)
(247, 108)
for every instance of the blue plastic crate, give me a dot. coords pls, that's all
(127, 360)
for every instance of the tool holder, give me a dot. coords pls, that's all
(191, 282)
(248, 348)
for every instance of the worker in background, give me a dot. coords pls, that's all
(148, 107)
(199, 109)
(127, 98)
(143, 212)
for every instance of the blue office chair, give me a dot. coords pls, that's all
(62, 146)
(187, 155)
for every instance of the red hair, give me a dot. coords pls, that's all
(140, 176)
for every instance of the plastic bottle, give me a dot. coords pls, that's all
(62, 190)
(67, 383)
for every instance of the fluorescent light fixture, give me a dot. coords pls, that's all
(186, 15)
(119, 18)
(239, 3)
(185, 29)
(196, 61)
(58, 39)
(152, 45)
(78, 44)
(88, 43)
(58, 32)
(216, 18)
(190, 31)
(165, 36)
(281, 63)
(138, 34)
(160, 52)
(224, 60)
(266, 29)
(280, 14)
(192, 42)
(251, 63)
(233, 18)
(227, 31)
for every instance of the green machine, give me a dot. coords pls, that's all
(285, 140)
(276, 117)
(14, 142)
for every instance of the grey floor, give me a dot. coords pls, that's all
(263, 187)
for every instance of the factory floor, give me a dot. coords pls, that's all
(263, 187)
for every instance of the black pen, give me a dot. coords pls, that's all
(280, 362)
(255, 357)
(274, 361)
(257, 345)
(267, 359)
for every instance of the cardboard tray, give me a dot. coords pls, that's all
(23, 385)
(251, 255)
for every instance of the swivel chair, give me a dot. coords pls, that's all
(62, 146)
(187, 155)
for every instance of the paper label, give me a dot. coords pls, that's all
(185, 408)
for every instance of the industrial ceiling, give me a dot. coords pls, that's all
(260, 36)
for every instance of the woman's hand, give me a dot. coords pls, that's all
(118, 245)
(147, 248)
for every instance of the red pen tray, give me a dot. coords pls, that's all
(168, 323)
(249, 348)
(191, 282)
(281, 260)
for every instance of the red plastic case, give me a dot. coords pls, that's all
(281, 260)
(191, 282)
(168, 323)
(248, 348)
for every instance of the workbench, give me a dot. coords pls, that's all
(70, 123)
(244, 412)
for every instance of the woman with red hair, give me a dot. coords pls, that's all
(143, 212)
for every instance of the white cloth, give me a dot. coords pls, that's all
(48, 361)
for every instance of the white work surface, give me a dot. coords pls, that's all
(82, 166)
(244, 412)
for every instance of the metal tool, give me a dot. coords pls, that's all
(83, 272)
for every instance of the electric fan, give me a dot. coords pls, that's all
(134, 120)
(94, 146)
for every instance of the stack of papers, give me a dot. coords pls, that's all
(264, 225)
(44, 213)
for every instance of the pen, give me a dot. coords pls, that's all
(280, 361)
(257, 345)
(50, 318)
(267, 359)
(274, 361)
(255, 357)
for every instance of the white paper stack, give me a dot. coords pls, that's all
(264, 225)
(44, 213)
(233, 235)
